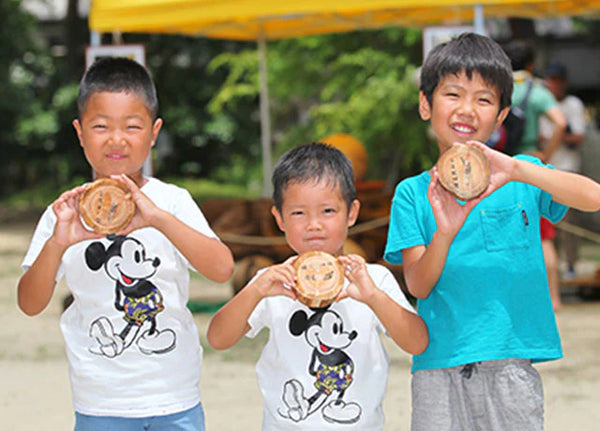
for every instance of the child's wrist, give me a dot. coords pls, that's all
(160, 219)
(517, 171)
(57, 245)
(374, 298)
(256, 291)
(444, 238)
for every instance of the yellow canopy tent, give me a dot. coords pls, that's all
(277, 19)
(263, 20)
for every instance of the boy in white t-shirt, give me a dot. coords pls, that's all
(133, 348)
(323, 368)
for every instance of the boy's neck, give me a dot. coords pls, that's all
(140, 180)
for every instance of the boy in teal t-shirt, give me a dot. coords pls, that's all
(476, 267)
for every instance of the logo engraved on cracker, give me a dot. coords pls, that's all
(464, 170)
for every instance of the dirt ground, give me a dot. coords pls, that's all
(35, 389)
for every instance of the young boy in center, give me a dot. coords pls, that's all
(477, 267)
(132, 344)
(325, 368)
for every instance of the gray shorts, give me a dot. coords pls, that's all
(504, 395)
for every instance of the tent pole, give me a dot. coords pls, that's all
(94, 38)
(265, 121)
(478, 19)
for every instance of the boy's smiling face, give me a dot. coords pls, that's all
(314, 216)
(116, 132)
(462, 110)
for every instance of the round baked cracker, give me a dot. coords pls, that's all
(106, 206)
(464, 170)
(320, 278)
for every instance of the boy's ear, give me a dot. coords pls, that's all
(424, 107)
(353, 212)
(501, 116)
(278, 218)
(77, 127)
(155, 129)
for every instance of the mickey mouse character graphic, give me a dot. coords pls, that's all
(331, 367)
(125, 262)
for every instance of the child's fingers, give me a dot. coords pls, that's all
(290, 260)
(70, 194)
(131, 185)
(123, 178)
(281, 274)
(288, 292)
(289, 269)
(352, 259)
(480, 145)
(343, 294)
(349, 266)
(433, 172)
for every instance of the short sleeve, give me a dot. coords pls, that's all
(189, 213)
(549, 208)
(385, 280)
(42, 233)
(404, 230)
(257, 319)
(547, 100)
(390, 286)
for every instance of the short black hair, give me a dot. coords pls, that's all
(115, 75)
(521, 53)
(468, 53)
(313, 162)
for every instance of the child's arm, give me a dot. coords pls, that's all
(567, 188)
(407, 329)
(36, 286)
(209, 256)
(230, 323)
(422, 265)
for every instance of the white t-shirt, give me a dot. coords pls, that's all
(119, 366)
(565, 158)
(325, 369)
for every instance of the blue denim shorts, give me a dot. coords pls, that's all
(187, 420)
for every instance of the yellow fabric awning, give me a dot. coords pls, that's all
(279, 19)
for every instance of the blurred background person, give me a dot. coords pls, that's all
(541, 104)
(567, 155)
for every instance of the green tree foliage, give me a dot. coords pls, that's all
(37, 106)
(19, 82)
(194, 142)
(362, 83)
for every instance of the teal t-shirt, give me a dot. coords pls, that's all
(492, 299)
(540, 100)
